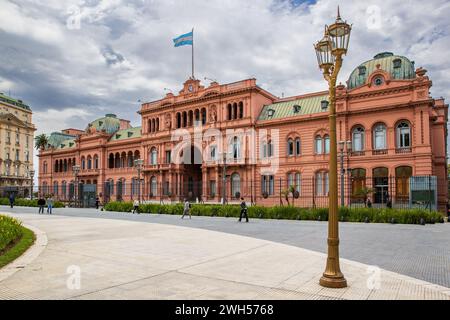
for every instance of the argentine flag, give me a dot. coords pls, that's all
(184, 40)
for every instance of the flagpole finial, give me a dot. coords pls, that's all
(338, 13)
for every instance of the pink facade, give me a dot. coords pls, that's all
(397, 131)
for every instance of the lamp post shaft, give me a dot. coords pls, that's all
(333, 277)
(342, 179)
(224, 180)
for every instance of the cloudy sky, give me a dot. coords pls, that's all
(75, 60)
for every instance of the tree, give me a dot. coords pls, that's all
(285, 193)
(41, 141)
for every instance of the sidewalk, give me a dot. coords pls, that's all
(134, 260)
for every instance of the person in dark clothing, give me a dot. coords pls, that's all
(369, 203)
(244, 210)
(97, 202)
(12, 198)
(41, 204)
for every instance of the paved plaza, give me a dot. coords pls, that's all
(122, 259)
(421, 252)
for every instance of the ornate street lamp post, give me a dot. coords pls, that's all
(329, 52)
(138, 164)
(76, 170)
(343, 151)
(32, 172)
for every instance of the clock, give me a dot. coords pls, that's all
(191, 88)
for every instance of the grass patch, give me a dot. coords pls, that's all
(16, 248)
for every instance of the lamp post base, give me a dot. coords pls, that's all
(336, 282)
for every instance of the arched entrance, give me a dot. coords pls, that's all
(192, 173)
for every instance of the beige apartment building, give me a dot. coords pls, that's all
(16, 145)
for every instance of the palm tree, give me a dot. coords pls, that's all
(41, 141)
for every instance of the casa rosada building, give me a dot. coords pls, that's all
(272, 146)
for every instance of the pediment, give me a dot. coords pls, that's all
(12, 119)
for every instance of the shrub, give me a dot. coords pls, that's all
(19, 202)
(403, 216)
(10, 231)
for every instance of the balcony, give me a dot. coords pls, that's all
(89, 172)
(357, 153)
(379, 152)
(403, 150)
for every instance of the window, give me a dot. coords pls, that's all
(397, 63)
(297, 108)
(96, 162)
(153, 187)
(378, 81)
(212, 188)
(297, 147)
(55, 188)
(358, 139)
(318, 145)
(83, 164)
(267, 184)
(290, 147)
(236, 148)
(17, 155)
(235, 185)
(362, 71)
(89, 163)
(327, 144)
(298, 182)
(294, 180)
(213, 152)
(379, 136)
(153, 157)
(270, 149)
(322, 183)
(241, 110)
(403, 135)
(168, 156)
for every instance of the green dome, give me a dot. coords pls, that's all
(399, 67)
(110, 123)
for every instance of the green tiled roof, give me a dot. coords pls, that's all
(17, 103)
(125, 134)
(386, 61)
(307, 105)
(67, 144)
(57, 138)
(110, 123)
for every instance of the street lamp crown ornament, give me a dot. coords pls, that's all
(339, 33)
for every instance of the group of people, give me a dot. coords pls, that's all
(244, 210)
(42, 202)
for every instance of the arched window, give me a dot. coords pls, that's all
(56, 166)
(55, 188)
(157, 124)
(241, 110)
(95, 162)
(229, 112)
(297, 147)
(235, 185)
(322, 183)
(358, 135)
(184, 119)
(290, 147)
(327, 144)
(83, 163)
(111, 161)
(190, 118)
(89, 162)
(379, 137)
(64, 189)
(269, 149)
(318, 145)
(294, 181)
(235, 110)
(403, 135)
(358, 179)
(153, 156)
(153, 187)
(203, 116)
(402, 177)
(178, 120)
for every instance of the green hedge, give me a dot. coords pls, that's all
(411, 216)
(28, 203)
(10, 231)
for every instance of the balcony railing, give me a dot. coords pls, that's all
(403, 150)
(379, 152)
(358, 153)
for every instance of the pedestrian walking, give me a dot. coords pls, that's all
(369, 203)
(50, 204)
(244, 210)
(12, 199)
(97, 202)
(136, 207)
(41, 204)
(187, 209)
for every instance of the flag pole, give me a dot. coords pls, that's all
(193, 53)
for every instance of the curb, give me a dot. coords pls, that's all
(28, 256)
